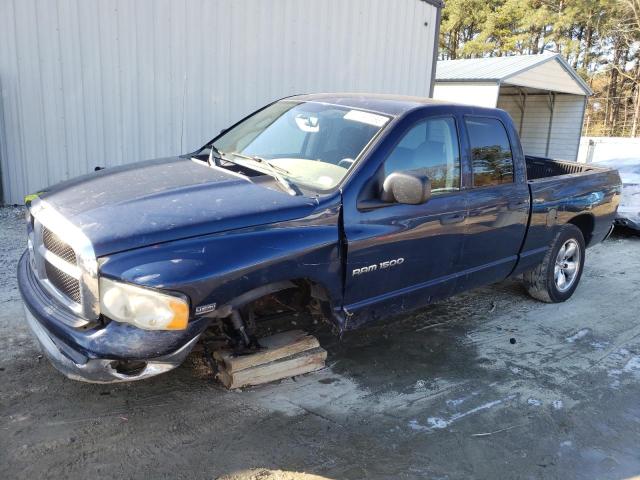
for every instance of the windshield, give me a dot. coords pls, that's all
(312, 144)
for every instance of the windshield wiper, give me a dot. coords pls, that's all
(275, 172)
(258, 159)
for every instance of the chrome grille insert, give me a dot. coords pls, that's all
(68, 286)
(56, 246)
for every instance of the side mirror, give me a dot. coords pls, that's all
(411, 187)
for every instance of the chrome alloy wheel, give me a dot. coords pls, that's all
(567, 265)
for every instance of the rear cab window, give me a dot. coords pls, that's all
(491, 155)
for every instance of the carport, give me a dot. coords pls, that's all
(545, 97)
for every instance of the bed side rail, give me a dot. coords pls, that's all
(540, 167)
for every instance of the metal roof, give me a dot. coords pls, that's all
(499, 69)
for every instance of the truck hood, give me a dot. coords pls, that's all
(167, 199)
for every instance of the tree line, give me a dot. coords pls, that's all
(600, 39)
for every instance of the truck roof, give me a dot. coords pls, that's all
(394, 105)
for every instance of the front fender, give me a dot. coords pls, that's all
(220, 267)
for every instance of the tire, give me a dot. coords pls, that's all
(554, 280)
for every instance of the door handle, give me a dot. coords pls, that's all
(451, 219)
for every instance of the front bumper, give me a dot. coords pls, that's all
(109, 353)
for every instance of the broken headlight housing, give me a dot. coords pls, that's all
(143, 307)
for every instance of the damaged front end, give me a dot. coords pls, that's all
(59, 283)
(100, 353)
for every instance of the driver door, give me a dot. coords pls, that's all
(403, 256)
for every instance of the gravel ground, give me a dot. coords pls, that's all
(489, 384)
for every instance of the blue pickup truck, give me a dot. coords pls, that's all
(364, 206)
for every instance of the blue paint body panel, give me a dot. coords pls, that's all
(175, 224)
(157, 201)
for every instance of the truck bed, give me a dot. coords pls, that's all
(540, 167)
(562, 191)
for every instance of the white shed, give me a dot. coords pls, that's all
(87, 83)
(545, 97)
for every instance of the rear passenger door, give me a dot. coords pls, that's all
(498, 203)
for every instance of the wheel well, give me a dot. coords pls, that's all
(300, 293)
(315, 294)
(304, 295)
(586, 224)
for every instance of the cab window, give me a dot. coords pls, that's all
(491, 157)
(431, 144)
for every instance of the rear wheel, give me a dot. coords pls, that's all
(557, 277)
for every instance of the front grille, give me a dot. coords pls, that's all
(66, 284)
(63, 260)
(56, 246)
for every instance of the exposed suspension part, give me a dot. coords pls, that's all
(238, 324)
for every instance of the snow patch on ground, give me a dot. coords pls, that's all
(420, 385)
(414, 425)
(578, 335)
(439, 423)
(632, 366)
(455, 402)
(622, 363)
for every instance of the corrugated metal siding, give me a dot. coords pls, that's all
(510, 105)
(567, 127)
(565, 130)
(535, 125)
(105, 82)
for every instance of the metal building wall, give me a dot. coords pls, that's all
(87, 83)
(568, 116)
(566, 126)
(535, 124)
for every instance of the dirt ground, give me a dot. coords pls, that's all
(489, 384)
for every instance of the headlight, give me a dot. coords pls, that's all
(142, 307)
